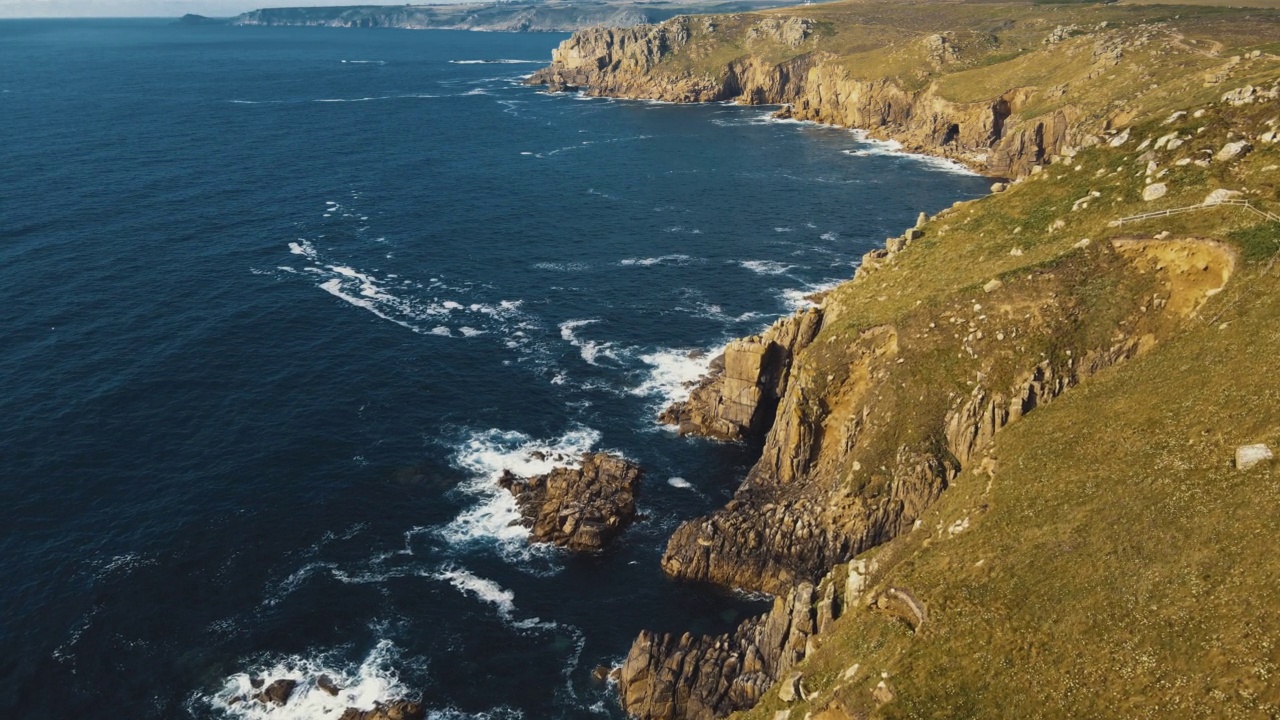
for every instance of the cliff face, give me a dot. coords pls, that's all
(645, 62)
(862, 443)
(737, 401)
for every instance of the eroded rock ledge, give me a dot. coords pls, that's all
(579, 508)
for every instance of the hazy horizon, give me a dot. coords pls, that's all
(14, 9)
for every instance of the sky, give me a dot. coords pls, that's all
(156, 8)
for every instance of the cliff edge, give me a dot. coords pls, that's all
(992, 463)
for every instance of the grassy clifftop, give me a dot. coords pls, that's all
(1099, 557)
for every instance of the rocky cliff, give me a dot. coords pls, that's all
(861, 445)
(872, 406)
(789, 60)
(738, 399)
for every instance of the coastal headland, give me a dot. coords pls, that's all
(997, 471)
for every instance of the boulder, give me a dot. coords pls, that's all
(999, 187)
(325, 683)
(1154, 191)
(579, 508)
(789, 690)
(1233, 151)
(277, 693)
(1248, 456)
(992, 286)
(1220, 195)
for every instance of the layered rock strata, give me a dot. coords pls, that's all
(580, 508)
(738, 399)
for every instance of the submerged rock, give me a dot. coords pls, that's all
(579, 508)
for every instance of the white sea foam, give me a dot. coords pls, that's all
(765, 267)
(661, 260)
(590, 350)
(477, 91)
(716, 312)
(485, 590)
(504, 61)
(485, 456)
(798, 298)
(678, 482)
(361, 686)
(830, 236)
(561, 267)
(364, 62)
(672, 374)
(894, 148)
(345, 100)
(783, 229)
(470, 331)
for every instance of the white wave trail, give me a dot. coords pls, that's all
(485, 590)
(590, 350)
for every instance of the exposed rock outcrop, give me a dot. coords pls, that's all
(666, 676)
(737, 401)
(579, 508)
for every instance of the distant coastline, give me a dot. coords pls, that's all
(553, 16)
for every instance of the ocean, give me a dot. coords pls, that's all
(280, 304)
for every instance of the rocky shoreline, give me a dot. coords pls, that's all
(854, 447)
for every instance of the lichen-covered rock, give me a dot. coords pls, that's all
(580, 508)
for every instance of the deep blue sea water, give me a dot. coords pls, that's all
(279, 305)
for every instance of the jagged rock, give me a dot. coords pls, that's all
(736, 401)
(277, 693)
(669, 677)
(1233, 151)
(1248, 456)
(1154, 191)
(993, 285)
(789, 690)
(999, 187)
(325, 683)
(396, 710)
(940, 50)
(1120, 139)
(792, 31)
(579, 508)
(1062, 32)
